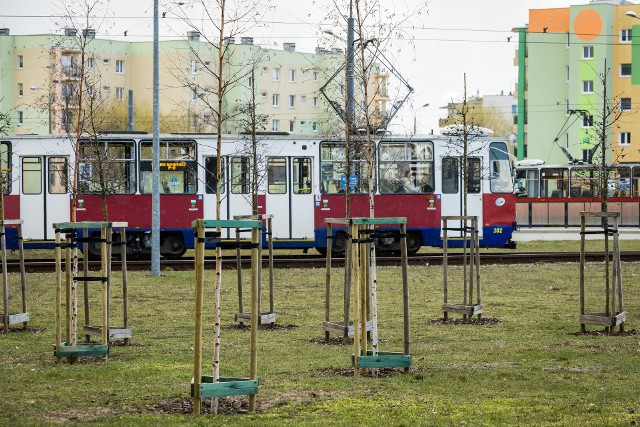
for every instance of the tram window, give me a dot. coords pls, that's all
(500, 167)
(333, 176)
(5, 167)
(619, 184)
(474, 173)
(397, 159)
(31, 175)
(277, 175)
(210, 168)
(450, 175)
(107, 167)
(553, 182)
(57, 168)
(636, 182)
(527, 183)
(178, 168)
(302, 183)
(240, 175)
(585, 182)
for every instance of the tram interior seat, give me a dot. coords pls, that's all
(576, 191)
(587, 193)
(387, 186)
(555, 193)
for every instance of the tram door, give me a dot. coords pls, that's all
(289, 196)
(44, 199)
(452, 190)
(209, 196)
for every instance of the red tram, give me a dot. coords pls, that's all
(554, 195)
(302, 182)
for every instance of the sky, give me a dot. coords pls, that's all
(451, 38)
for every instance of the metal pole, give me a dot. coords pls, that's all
(130, 111)
(351, 111)
(155, 190)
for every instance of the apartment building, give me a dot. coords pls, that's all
(563, 55)
(40, 81)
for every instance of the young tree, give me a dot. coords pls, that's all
(5, 127)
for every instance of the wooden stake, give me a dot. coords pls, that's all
(256, 261)
(58, 253)
(327, 284)
(125, 291)
(199, 284)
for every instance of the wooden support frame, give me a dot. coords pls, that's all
(469, 235)
(614, 313)
(358, 274)
(115, 332)
(204, 386)
(8, 317)
(265, 317)
(70, 347)
(344, 328)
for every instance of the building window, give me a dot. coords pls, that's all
(90, 91)
(624, 138)
(314, 126)
(89, 63)
(291, 125)
(315, 101)
(316, 76)
(119, 67)
(20, 117)
(587, 52)
(194, 67)
(303, 98)
(585, 155)
(275, 100)
(625, 104)
(566, 74)
(625, 35)
(106, 61)
(119, 93)
(276, 74)
(292, 75)
(625, 70)
(292, 101)
(106, 89)
(20, 89)
(20, 61)
(566, 108)
(274, 125)
(568, 40)
(587, 86)
(249, 82)
(194, 94)
(587, 120)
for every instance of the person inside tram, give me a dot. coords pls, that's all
(407, 183)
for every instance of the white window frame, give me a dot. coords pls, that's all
(292, 76)
(291, 125)
(90, 63)
(20, 61)
(275, 74)
(119, 66)
(119, 93)
(105, 61)
(194, 94)
(567, 75)
(20, 90)
(316, 76)
(275, 123)
(315, 102)
(587, 52)
(90, 91)
(194, 66)
(625, 107)
(275, 100)
(314, 126)
(624, 139)
(303, 98)
(106, 89)
(625, 35)
(20, 117)
(630, 68)
(292, 101)
(587, 121)
(587, 86)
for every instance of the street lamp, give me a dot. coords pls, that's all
(632, 14)
(415, 116)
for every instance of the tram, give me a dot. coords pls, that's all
(554, 195)
(302, 181)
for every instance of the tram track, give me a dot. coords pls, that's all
(318, 261)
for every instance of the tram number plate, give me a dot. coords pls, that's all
(497, 230)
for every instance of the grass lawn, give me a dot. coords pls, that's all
(527, 367)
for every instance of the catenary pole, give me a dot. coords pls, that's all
(155, 189)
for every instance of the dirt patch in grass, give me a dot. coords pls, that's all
(266, 327)
(370, 373)
(331, 341)
(120, 343)
(629, 333)
(20, 329)
(471, 321)
(230, 405)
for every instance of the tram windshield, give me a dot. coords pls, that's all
(178, 167)
(106, 167)
(406, 167)
(333, 169)
(500, 167)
